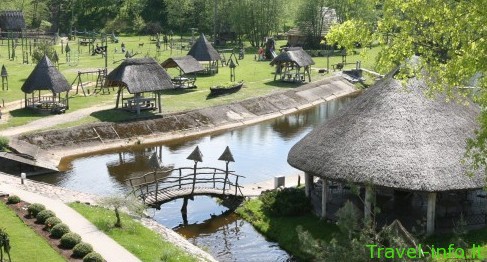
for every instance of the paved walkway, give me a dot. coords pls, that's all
(107, 247)
(254, 189)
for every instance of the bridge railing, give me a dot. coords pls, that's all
(157, 182)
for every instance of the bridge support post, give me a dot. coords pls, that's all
(184, 211)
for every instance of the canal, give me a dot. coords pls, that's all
(260, 153)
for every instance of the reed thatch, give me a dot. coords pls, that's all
(46, 76)
(140, 75)
(12, 21)
(187, 64)
(294, 55)
(393, 136)
(202, 50)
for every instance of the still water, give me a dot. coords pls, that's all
(260, 153)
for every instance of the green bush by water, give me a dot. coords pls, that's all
(34, 209)
(44, 215)
(285, 202)
(82, 249)
(3, 143)
(69, 240)
(93, 257)
(13, 200)
(59, 230)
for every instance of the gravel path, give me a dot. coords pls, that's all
(53, 120)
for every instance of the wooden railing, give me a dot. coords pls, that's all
(184, 178)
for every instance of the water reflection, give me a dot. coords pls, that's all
(260, 153)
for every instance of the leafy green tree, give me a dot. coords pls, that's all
(4, 244)
(117, 203)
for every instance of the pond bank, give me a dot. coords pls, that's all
(103, 136)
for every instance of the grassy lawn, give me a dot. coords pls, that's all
(139, 240)
(26, 244)
(258, 77)
(283, 230)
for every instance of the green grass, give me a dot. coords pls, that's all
(139, 240)
(26, 244)
(283, 230)
(258, 77)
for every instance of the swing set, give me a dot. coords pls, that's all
(85, 79)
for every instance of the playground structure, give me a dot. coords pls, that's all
(269, 52)
(97, 78)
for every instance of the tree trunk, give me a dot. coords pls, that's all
(119, 221)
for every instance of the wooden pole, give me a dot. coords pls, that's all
(430, 213)
(308, 183)
(369, 199)
(184, 211)
(324, 197)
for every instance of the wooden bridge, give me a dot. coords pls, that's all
(159, 187)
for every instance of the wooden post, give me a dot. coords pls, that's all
(308, 184)
(184, 211)
(430, 213)
(194, 177)
(159, 104)
(118, 96)
(369, 199)
(324, 197)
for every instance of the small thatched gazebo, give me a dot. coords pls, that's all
(187, 65)
(289, 64)
(139, 76)
(394, 139)
(12, 21)
(46, 76)
(203, 51)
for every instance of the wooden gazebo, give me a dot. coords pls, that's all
(188, 67)
(139, 76)
(203, 51)
(401, 147)
(46, 76)
(293, 65)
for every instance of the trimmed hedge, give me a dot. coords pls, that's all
(51, 222)
(34, 209)
(93, 257)
(59, 230)
(44, 215)
(82, 249)
(13, 199)
(69, 240)
(289, 201)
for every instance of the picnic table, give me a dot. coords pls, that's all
(183, 82)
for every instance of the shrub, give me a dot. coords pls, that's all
(43, 215)
(82, 249)
(3, 143)
(69, 240)
(34, 209)
(93, 257)
(59, 230)
(285, 202)
(13, 200)
(51, 222)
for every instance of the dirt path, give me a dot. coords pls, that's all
(50, 121)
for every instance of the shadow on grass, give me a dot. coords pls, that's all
(27, 112)
(283, 84)
(178, 91)
(120, 115)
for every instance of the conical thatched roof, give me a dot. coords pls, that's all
(296, 55)
(140, 75)
(393, 136)
(227, 155)
(4, 71)
(12, 20)
(187, 64)
(46, 76)
(196, 155)
(202, 50)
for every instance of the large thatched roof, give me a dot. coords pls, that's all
(12, 20)
(46, 76)
(202, 50)
(140, 75)
(296, 55)
(393, 136)
(187, 64)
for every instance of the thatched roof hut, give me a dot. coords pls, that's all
(139, 75)
(187, 64)
(46, 76)
(393, 136)
(293, 60)
(202, 50)
(12, 21)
